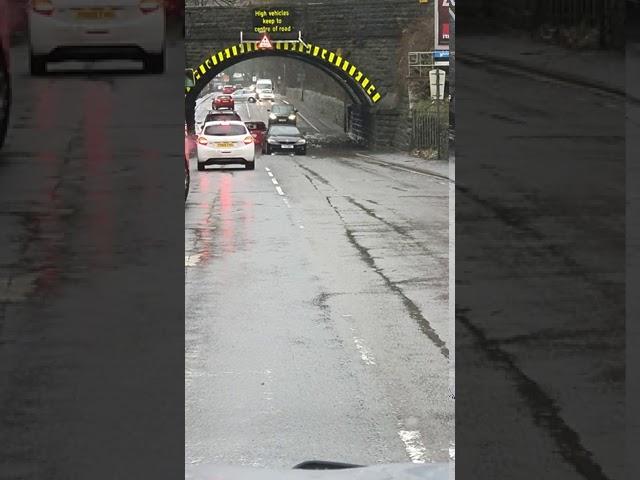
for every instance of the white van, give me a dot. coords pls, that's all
(263, 84)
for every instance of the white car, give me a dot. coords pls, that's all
(245, 95)
(226, 143)
(62, 30)
(266, 95)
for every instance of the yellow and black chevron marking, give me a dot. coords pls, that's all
(321, 54)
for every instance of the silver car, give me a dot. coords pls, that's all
(245, 95)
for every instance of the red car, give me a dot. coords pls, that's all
(223, 101)
(228, 89)
(257, 131)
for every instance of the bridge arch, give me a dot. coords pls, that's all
(361, 89)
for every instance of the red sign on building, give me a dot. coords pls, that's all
(442, 19)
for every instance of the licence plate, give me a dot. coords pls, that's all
(94, 14)
(224, 144)
(287, 146)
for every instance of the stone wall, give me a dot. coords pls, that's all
(329, 109)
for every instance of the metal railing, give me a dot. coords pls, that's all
(430, 131)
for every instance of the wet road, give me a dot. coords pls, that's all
(88, 192)
(316, 309)
(540, 262)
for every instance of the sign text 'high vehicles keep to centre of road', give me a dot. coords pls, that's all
(276, 22)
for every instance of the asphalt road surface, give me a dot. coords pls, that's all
(88, 251)
(539, 236)
(316, 309)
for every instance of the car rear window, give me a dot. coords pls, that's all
(225, 130)
(222, 117)
(224, 97)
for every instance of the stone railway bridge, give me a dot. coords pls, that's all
(360, 44)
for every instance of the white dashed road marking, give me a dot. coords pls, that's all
(279, 190)
(275, 182)
(413, 444)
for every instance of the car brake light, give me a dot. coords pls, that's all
(203, 141)
(248, 140)
(148, 6)
(43, 7)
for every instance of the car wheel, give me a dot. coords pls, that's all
(200, 167)
(267, 151)
(252, 100)
(37, 64)
(5, 99)
(250, 165)
(154, 62)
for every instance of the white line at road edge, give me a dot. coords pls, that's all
(279, 190)
(400, 167)
(306, 120)
(275, 182)
(413, 444)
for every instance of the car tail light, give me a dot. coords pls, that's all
(203, 141)
(148, 6)
(43, 7)
(248, 140)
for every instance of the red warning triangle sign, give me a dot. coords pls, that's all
(265, 43)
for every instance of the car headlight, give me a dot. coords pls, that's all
(302, 141)
(273, 116)
(271, 141)
(292, 117)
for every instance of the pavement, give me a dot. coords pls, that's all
(317, 309)
(595, 68)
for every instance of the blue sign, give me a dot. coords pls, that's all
(441, 54)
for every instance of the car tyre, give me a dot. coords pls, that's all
(201, 167)
(37, 65)
(155, 62)
(267, 151)
(250, 165)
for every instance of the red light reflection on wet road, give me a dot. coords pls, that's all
(96, 103)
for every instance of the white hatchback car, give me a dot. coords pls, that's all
(62, 30)
(226, 143)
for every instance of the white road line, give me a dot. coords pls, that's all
(399, 167)
(192, 260)
(267, 169)
(286, 202)
(413, 445)
(275, 182)
(306, 120)
(270, 174)
(279, 190)
(248, 111)
(365, 354)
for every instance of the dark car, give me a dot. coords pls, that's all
(223, 101)
(257, 131)
(284, 138)
(283, 114)
(5, 78)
